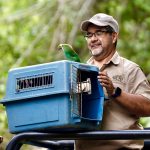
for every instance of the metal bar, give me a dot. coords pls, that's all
(54, 145)
(93, 135)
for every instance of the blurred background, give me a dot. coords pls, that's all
(31, 30)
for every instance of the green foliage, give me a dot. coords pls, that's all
(145, 121)
(32, 30)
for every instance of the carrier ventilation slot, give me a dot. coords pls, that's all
(34, 82)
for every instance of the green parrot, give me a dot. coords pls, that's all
(69, 53)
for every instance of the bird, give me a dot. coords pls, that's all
(69, 53)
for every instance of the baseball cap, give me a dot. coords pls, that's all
(101, 19)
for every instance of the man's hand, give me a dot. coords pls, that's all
(106, 82)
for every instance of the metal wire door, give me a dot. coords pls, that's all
(79, 87)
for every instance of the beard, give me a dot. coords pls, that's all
(96, 52)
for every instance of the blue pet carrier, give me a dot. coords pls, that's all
(56, 96)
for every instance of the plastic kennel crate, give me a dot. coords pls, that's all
(61, 95)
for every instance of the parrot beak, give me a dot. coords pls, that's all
(59, 47)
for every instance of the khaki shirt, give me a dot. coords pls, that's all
(128, 76)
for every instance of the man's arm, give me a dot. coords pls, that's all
(137, 105)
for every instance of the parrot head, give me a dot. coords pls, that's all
(64, 46)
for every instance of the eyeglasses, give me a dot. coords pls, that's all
(98, 33)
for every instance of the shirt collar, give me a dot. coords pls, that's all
(115, 59)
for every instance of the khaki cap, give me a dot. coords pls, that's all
(101, 19)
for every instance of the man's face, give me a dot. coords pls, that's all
(100, 42)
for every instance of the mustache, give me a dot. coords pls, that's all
(95, 44)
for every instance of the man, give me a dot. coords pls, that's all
(125, 85)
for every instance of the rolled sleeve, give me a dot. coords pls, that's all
(138, 83)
